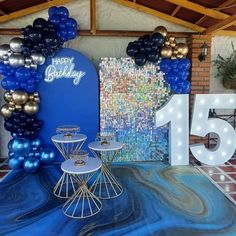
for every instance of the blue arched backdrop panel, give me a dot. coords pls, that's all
(64, 100)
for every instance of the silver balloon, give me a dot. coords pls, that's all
(28, 60)
(16, 44)
(16, 60)
(38, 58)
(6, 62)
(33, 66)
(4, 50)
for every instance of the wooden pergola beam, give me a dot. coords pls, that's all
(175, 11)
(221, 25)
(30, 10)
(200, 9)
(108, 33)
(159, 14)
(93, 22)
(227, 3)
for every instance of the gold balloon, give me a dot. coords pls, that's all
(173, 43)
(12, 108)
(167, 43)
(161, 29)
(36, 99)
(7, 96)
(173, 57)
(18, 107)
(5, 111)
(179, 56)
(36, 94)
(182, 49)
(31, 108)
(20, 97)
(171, 38)
(175, 52)
(166, 52)
(31, 97)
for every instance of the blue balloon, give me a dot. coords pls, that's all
(71, 33)
(22, 73)
(47, 155)
(186, 86)
(3, 68)
(36, 142)
(52, 11)
(63, 11)
(31, 165)
(173, 87)
(178, 90)
(16, 162)
(55, 19)
(19, 146)
(71, 23)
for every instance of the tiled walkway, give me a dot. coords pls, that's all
(223, 177)
(4, 170)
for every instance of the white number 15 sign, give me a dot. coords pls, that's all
(176, 114)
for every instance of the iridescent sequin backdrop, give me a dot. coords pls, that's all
(129, 97)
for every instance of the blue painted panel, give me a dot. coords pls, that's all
(69, 94)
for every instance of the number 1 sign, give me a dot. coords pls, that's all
(176, 111)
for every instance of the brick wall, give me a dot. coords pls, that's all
(200, 72)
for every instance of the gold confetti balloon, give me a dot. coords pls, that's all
(161, 29)
(182, 49)
(5, 111)
(31, 108)
(20, 97)
(166, 52)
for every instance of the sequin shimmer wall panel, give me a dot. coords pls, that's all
(129, 97)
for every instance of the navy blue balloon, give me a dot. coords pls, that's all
(31, 165)
(140, 59)
(47, 155)
(132, 50)
(158, 39)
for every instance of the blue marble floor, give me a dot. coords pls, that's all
(157, 200)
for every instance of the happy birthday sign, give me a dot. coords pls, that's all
(63, 67)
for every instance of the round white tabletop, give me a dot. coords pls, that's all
(61, 138)
(113, 146)
(91, 165)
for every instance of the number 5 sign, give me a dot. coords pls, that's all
(175, 113)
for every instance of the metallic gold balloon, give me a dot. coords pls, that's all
(12, 108)
(36, 99)
(171, 38)
(175, 52)
(167, 43)
(31, 97)
(182, 49)
(7, 96)
(5, 111)
(11, 103)
(36, 94)
(31, 108)
(173, 57)
(20, 97)
(161, 29)
(173, 43)
(166, 52)
(179, 56)
(18, 107)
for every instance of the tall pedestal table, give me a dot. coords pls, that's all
(83, 203)
(106, 186)
(67, 145)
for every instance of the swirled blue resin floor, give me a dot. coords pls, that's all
(157, 200)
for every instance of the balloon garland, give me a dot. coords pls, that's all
(19, 61)
(163, 49)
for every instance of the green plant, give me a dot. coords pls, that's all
(226, 67)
